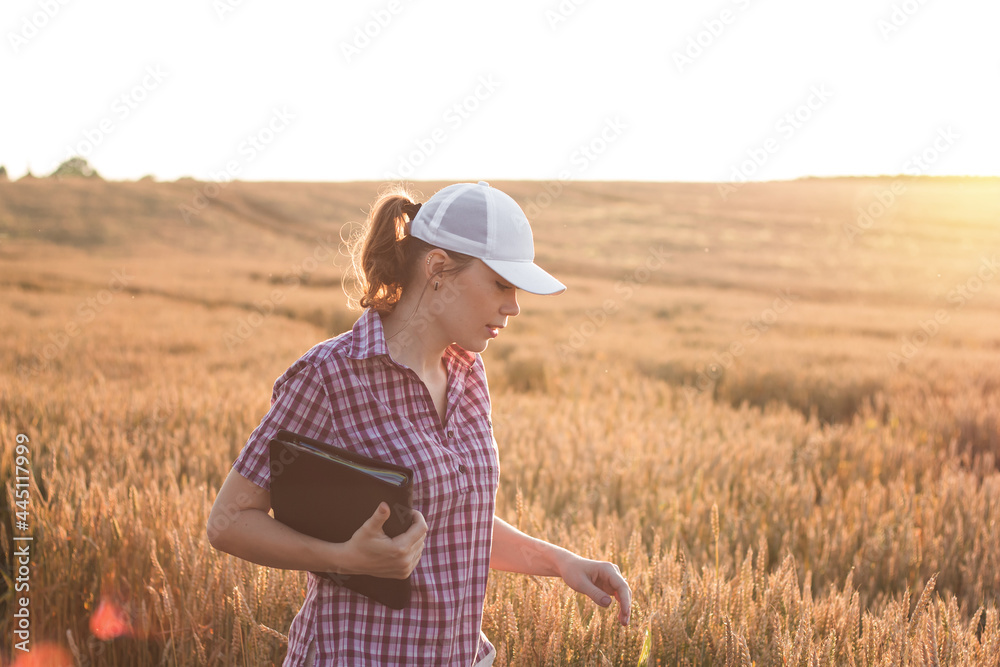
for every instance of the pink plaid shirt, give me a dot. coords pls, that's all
(349, 391)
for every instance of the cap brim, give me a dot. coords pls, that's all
(527, 276)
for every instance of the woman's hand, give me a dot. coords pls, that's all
(239, 524)
(371, 551)
(513, 551)
(599, 581)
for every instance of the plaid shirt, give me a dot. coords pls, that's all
(349, 391)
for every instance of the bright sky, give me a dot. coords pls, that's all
(459, 90)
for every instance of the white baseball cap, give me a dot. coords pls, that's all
(478, 220)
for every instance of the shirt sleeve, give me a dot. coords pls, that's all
(299, 403)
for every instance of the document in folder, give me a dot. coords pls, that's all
(328, 492)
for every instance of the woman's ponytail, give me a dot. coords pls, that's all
(381, 256)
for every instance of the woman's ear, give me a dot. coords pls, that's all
(435, 263)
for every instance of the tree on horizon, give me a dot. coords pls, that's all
(75, 167)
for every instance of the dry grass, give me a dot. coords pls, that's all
(802, 503)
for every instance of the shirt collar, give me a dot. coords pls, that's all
(368, 337)
(368, 342)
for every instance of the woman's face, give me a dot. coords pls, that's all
(476, 305)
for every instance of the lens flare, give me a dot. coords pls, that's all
(45, 655)
(109, 621)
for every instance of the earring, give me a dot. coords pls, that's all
(435, 286)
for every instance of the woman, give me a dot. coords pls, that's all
(407, 385)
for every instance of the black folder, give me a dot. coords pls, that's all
(328, 492)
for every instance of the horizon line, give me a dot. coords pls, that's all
(151, 178)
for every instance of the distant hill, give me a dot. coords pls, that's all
(793, 232)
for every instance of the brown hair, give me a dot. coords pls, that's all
(383, 255)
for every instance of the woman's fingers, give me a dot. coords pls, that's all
(594, 592)
(612, 581)
(419, 525)
(412, 541)
(600, 581)
(383, 556)
(624, 595)
(378, 519)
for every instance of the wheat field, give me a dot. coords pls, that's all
(779, 417)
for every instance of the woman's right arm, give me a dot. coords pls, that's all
(239, 524)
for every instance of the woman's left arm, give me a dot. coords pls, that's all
(513, 551)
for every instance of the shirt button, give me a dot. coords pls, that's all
(463, 469)
(451, 434)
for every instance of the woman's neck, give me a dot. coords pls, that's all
(414, 338)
